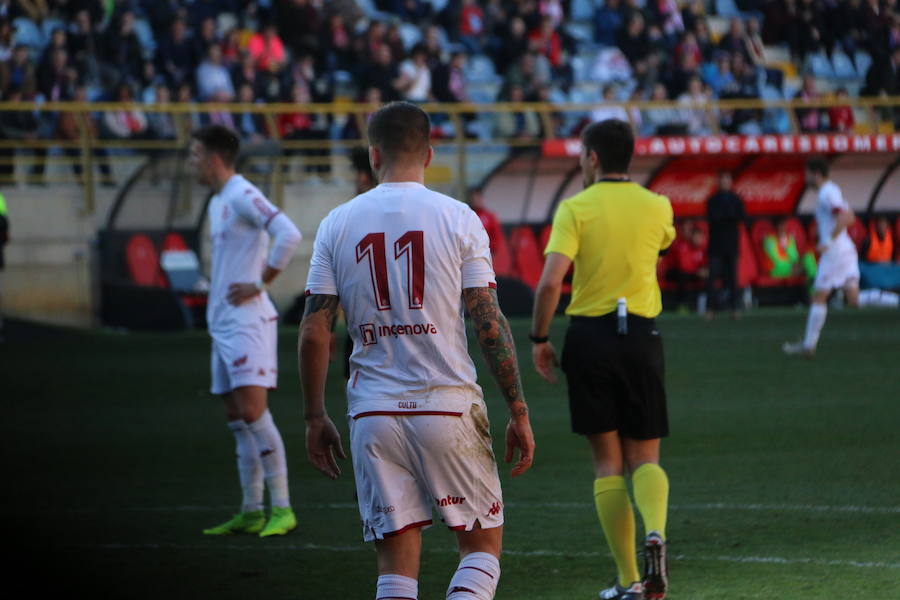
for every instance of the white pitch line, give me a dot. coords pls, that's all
(774, 560)
(888, 510)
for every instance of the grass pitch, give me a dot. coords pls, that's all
(785, 473)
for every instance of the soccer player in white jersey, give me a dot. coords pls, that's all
(243, 325)
(838, 264)
(404, 261)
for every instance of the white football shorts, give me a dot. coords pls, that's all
(405, 466)
(838, 267)
(246, 356)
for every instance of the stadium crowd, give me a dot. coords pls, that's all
(160, 51)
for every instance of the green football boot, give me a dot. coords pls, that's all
(281, 521)
(245, 522)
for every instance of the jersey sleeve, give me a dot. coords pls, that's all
(668, 225)
(564, 234)
(322, 278)
(835, 200)
(475, 251)
(254, 208)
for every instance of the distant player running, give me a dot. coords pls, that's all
(243, 325)
(402, 260)
(839, 263)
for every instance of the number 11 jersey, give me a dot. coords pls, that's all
(398, 258)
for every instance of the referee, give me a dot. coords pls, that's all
(613, 232)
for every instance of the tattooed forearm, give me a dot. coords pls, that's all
(497, 344)
(322, 303)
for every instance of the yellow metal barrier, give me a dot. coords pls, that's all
(879, 114)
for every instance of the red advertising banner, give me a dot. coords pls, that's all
(826, 143)
(688, 183)
(771, 185)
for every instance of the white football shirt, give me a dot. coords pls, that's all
(829, 204)
(399, 257)
(239, 216)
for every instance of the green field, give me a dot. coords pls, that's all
(785, 473)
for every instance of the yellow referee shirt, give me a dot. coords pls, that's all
(613, 232)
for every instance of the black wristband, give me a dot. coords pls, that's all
(538, 340)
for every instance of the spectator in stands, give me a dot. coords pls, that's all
(18, 71)
(303, 126)
(724, 215)
(336, 43)
(56, 77)
(688, 268)
(546, 41)
(122, 54)
(382, 74)
(175, 55)
(741, 121)
(695, 99)
(126, 123)
(299, 22)
(205, 37)
(213, 79)
(883, 79)
(161, 125)
(607, 110)
(356, 123)
(414, 80)
(190, 121)
(304, 69)
(689, 45)
(840, 118)
(19, 125)
(531, 73)
(608, 21)
(6, 40)
(250, 126)
(488, 218)
(514, 45)
(394, 41)
(635, 45)
(787, 260)
(810, 119)
(519, 125)
(718, 75)
(878, 247)
(677, 79)
(704, 39)
(267, 49)
(434, 49)
(149, 82)
(662, 120)
(735, 39)
(449, 81)
(68, 129)
(202, 10)
(231, 47)
(245, 73)
(471, 26)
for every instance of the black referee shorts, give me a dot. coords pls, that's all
(616, 382)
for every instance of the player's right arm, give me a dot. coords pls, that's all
(323, 442)
(499, 351)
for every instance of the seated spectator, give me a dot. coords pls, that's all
(434, 48)
(449, 81)
(635, 45)
(515, 45)
(122, 54)
(57, 77)
(205, 37)
(161, 125)
(125, 124)
(688, 267)
(6, 40)
(19, 125)
(531, 73)
(175, 55)
(356, 123)
(382, 74)
(231, 48)
(251, 126)
(689, 45)
(546, 41)
(663, 120)
(213, 79)
(149, 82)
(717, 74)
(607, 110)
(787, 260)
(878, 247)
(840, 118)
(414, 81)
(335, 43)
(809, 119)
(518, 125)
(18, 71)
(471, 26)
(695, 99)
(735, 39)
(608, 21)
(267, 49)
(298, 25)
(303, 126)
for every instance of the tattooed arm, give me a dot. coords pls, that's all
(499, 351)
(322, 439)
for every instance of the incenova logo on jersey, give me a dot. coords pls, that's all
(240, 361)
(370, 332)
(449, 500)
(385, 509)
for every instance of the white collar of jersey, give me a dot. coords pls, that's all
(401, 184)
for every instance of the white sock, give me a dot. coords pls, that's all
(476, 577)
(250, 467)
(274, 462)
(396, 587)
(879, 298)
(814, 323)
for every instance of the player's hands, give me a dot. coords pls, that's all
(238, 293)
(519, 435)
(323, 443)
(544, 358)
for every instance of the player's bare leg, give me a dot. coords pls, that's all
(479, 566)
(398, 565)
(252, 405)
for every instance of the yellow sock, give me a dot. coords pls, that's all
(651, 494)
(617, 519)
